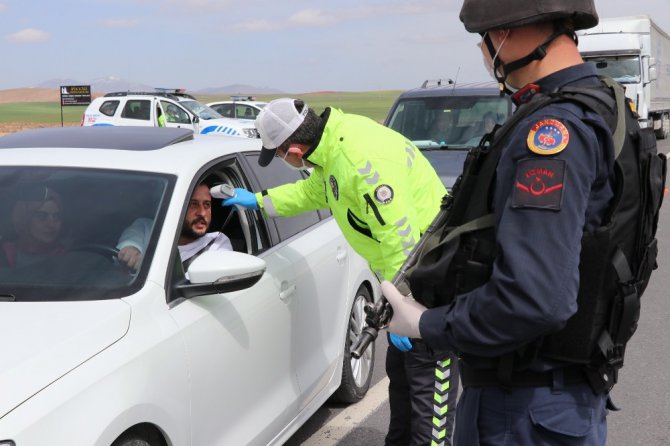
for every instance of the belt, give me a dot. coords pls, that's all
(471, 377)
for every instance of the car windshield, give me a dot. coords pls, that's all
(453, 122)
(201, 110)
(624, 69)
(59, 229)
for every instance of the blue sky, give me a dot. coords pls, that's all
(292, 45)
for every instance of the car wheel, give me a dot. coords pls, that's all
(356, 373)
(138, 436)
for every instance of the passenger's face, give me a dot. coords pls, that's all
(46, 222)
(199, 213)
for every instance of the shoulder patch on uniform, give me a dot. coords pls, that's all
(333, 187)
(384, 194)
(539, 184)
(548, 136)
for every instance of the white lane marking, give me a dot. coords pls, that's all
(338, 428)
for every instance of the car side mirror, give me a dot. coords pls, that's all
(196, 119)
(216, 272)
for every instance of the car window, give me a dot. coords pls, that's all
(137, 109)
(59, 229)
(226, 110)
(109, 107)
(453, 121)
(175, 114)
(246, 111)
(274, 174)
(201, 110)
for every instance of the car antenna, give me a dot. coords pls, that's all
(456, 78)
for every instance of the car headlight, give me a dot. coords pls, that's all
(249, 133)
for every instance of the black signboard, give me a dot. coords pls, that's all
(75, 95)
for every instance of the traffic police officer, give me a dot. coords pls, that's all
(383, 193)
(553, 183)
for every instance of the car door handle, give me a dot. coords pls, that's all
(341, 256)
(288, 292)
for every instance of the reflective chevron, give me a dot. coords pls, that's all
(373, 179)
(405, 232)
(366, 170)
(440, 406)
(410, 155)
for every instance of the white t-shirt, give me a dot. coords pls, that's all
(137, 236)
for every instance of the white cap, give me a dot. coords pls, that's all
(275, 123)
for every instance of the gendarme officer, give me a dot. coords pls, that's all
(546, 184)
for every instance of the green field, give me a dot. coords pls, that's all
(374, 104)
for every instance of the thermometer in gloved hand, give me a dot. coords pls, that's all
(222, 191)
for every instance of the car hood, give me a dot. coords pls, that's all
(45, 340)
(447, 163)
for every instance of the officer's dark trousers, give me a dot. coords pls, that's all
(423, 386)
(531, 416)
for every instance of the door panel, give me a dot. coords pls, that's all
(239, 348)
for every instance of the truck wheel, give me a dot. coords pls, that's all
(356, 373)
(664, 131)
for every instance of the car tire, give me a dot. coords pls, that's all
(137, 436)
(356, 373)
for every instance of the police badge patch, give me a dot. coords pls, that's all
(548, 137)
(333, 187)
(384, 194)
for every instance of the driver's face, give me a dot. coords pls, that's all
(199, 213)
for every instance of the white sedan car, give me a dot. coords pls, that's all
(241, 353)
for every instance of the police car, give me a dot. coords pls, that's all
(239, 107)
(445, 120)
(178, 110)
(239, 349)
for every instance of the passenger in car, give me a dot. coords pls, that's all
(193, 240)
(37, 225)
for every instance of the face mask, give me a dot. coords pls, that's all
(489, 65)
(303, 167)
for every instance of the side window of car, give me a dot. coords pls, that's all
(275, 174)
(137, 109)
(246, 112)
(175, 114)
(226, 110)
(108, 108)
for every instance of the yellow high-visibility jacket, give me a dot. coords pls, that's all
(382, 191)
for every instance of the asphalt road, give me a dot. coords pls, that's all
(644, 418)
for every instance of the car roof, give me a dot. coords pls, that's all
(97, 137)
(147, 149)
(175, 96)
(465, 89)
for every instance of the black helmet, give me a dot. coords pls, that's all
(480, 16)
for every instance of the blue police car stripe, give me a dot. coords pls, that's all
(219, 129)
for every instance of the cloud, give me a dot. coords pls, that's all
(3, 7)
(120, 23)
(29, 35)
(311, 17)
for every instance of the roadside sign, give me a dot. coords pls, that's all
(75, 95)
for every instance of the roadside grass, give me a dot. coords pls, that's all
(373, 104)
(40, 113)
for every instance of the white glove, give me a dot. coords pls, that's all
(406, 312)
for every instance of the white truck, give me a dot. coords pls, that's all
(635, 52)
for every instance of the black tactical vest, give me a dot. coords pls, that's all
(616, 259)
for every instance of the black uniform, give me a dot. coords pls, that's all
(553, 183)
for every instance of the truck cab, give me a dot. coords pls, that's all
(628, 49)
